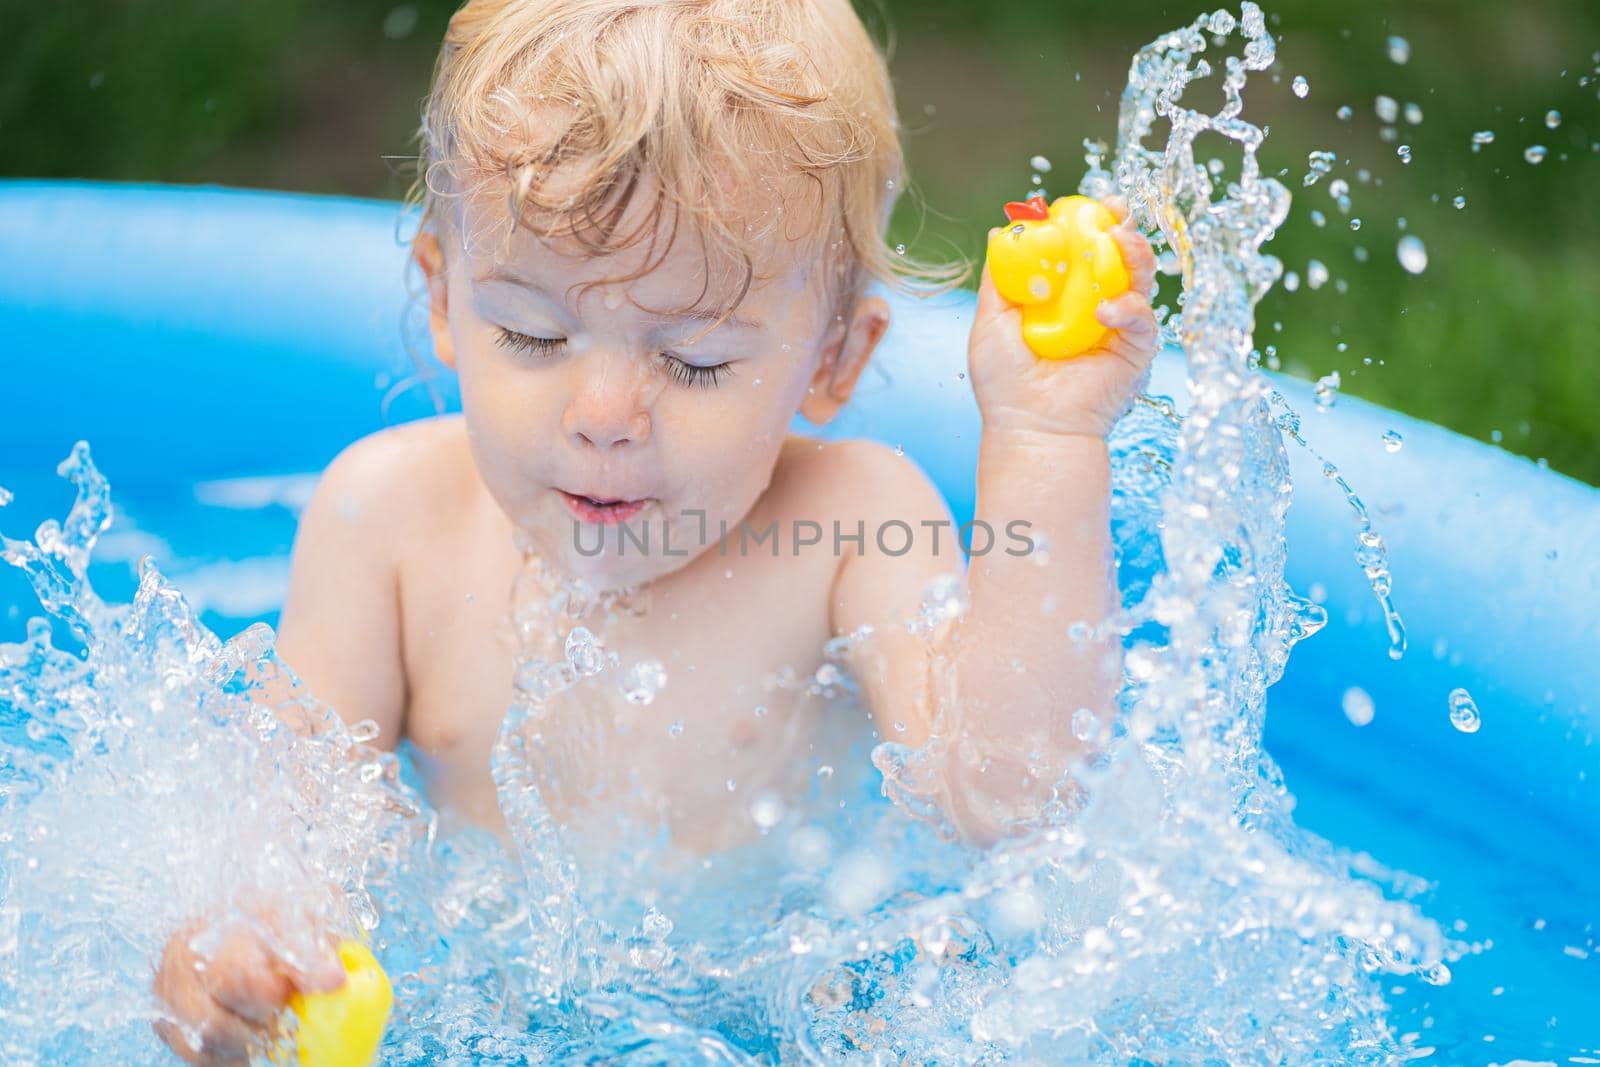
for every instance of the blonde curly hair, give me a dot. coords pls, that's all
(750, 120)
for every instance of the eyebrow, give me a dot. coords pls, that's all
(503, 274)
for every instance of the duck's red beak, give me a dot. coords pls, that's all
(1033, 209)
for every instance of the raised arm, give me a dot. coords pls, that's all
(1004, 680)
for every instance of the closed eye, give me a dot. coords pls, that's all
(527, 343)
(681, 371)
(685, 373)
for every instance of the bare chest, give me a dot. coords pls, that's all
(707, 697)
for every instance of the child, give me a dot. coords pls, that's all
(648, 231)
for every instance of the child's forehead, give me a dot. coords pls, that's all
(673, 270)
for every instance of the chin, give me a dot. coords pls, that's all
(619, 563)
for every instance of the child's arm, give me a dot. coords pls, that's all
(340, 633)
(340, 627)
(1005, 676)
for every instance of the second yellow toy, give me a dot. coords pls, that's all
(1057, 262)
(344, 1028)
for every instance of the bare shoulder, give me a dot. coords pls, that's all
(389, 481)
(859, 478)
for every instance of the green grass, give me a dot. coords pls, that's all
(1497, 334)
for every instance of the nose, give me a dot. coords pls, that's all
(607, 408)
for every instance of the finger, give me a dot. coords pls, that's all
(245, 979)
(323, 974)
(225, 1040)
(228, 1038)
(175, 1039)
(990, 302)
(257, 996)
(1137, 256)
(1128, 311)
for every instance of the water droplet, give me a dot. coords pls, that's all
(1318, 218)
(641, 682)
(1388, 108)
(944, 598)
(1039, 287)
(1392, 441)
(828, 676)
(1085, 724)
(1316, 274)
(1320, 163)
(1535, 153)
(899, 250)
(1404, 152)
(1355, 224)
(1300, 86)
(1459, 202)
(1481, 138)
(1414, 114)
(766, 810)
(585, 652)
(656, 925)
(1399, 50)
(732, 784)
(1326, 391)
(676, 729)
(1357, 705)
(1464, 712)
(1040, 164)
(1552, 118)
(1413, 253)
(1345, 113)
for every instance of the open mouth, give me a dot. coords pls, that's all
(603, 511)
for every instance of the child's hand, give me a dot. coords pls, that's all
(233, 1000)
(1083, 395)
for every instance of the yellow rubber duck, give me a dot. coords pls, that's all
(344, 1028)
(1057, 262)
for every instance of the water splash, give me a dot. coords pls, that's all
(143, 782)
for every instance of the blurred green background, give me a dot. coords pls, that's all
(1496, 339)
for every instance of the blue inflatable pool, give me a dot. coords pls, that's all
(210, 337)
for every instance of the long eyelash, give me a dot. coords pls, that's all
(682, 372)
(524, 342)
(691, 375)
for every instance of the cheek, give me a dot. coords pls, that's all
(508, 412)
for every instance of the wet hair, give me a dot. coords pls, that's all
(736, 123)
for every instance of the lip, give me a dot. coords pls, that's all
(603, 511)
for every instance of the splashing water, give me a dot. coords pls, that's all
(1166, 907)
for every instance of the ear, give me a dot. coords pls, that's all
(428, 254)
(845, 353)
